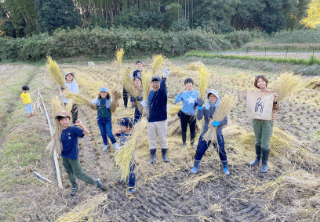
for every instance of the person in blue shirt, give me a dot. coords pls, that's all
(157, 120)
(136, 101)
(70, 151)
(207, 112)
(138, 72)
(124, 133)
(103, 104)
(72, 87)
(188, 111)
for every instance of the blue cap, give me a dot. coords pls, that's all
(126, 121)
(103, 89)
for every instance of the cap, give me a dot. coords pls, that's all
(62, 115)
(126, 121)
(103, 89)
(155, 78)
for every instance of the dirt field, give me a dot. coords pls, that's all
(288, 192)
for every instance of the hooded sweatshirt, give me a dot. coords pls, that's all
(208, 112)
(73, 87)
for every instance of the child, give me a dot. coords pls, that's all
(124, 133)
(26, 100)
(187, 114)
(70, 151)
(137, 112)
(157, 120)
(207, 112)
(138, 72)
(263, 128)
(102, 104)
(73, 87)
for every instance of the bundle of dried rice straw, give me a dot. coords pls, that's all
(174, 109)
(128, 83)
(76, 98)
(125, 155)
(194, 66)
(118, 58)
(191, 183)
(221, 112)
(146, 79)
(312, 84)
(158, 62)
(286, 84)
(55, 72)
(116, 95)
(204, 79)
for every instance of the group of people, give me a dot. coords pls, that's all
(193, 109)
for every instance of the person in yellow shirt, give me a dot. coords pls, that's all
(26, 100)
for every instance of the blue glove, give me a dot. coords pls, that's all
(215, 123)
(165, 72)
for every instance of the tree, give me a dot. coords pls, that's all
(313, 18)
(173, 13)
(54, 14)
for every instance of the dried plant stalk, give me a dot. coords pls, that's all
(204, 79)
(191, 183)
(194, 66)
(56, 109)
(146, 79)
(76, 98)
(128, 83)
(55, 72)
(221, 112)
(116, 95)
(119, 56)
(157, 63)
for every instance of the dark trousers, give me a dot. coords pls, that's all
(132, 176)
(203, 146)
(137, 115)
(74, 112)
(74, 171)
(125, 97)
(185, 121)
(105, 126)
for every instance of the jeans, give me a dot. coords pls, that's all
(137, 115)
(105, 126)
(125, 97)
(185, 121)
(28, 108)
(132, 176)
(203, 146)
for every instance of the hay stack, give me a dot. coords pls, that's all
(54, 71)
(221, 112)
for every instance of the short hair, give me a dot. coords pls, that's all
(138, 62)
(134, 79)
(25, 87)
(260, 77)
(62, 117)
(187, 80)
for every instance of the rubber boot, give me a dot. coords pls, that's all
(226, 169)
(153, 156)
(164, 156)
(195, 166)
(257, 160)
(184, 139)
(265, 155)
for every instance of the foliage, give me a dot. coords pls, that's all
(296, 36)
(173, 13)
(181, 24)
(313, 18)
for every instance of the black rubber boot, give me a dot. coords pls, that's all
(257, 160)
(153, 156)
(265, 155)
(164, 156)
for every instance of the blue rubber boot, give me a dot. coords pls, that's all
(226, 169)
(196, 166)
(265, 155)
(164, 156)
(153, 156)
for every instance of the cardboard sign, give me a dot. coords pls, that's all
(259, 105)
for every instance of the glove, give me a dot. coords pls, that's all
(215, 123)
(200, 102)
(145, 103)
(165, 72)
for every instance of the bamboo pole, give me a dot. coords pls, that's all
(54, 152)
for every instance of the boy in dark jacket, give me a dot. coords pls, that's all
(157, 121)
(207, 112)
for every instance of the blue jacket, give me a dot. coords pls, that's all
(188, 101)
(158, 103)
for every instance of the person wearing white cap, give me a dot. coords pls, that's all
(102, 104)
(73, 87)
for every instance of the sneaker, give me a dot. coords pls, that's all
(131, 190)
(105, 148)
(116, 146)
(100, 185)
(193, 146)
(226, 170)
(183, 145)
(74, 191)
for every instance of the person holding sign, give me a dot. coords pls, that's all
(261, 107)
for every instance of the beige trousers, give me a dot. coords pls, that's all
(156, 129)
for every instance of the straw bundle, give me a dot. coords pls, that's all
(174, 110)
(56, 109)
(204, 79)
(221, 112)
(194, 66)
(125, 155)
(116, 95)
(191, 183)
(76, 98)
(286, 84)
(314, 83)
(55, 72)
(146, 79)
(128, 83)
(157, 63)
(174, 127)
(119, 56)
(84, 211)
